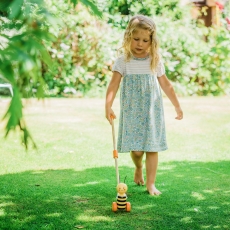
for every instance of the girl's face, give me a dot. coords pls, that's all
(140, 43)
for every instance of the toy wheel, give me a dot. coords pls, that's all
(128, 207)
(114, 206)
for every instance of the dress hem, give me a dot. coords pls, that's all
(155, 150)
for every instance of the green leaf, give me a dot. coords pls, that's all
(14, 112)
(74, 2)
(7, 71)
(15, 118)
(90, 5)
(44, 53)
(26, 137)
(15, 7)
(40, 88)
(4, 4)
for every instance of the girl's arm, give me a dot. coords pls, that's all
(169, 91)
(111, 94)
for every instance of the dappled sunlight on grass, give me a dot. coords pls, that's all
(91, 183)
(84, 198)
(70, 180)
(2, 213)
(4, 204)
(198, 196)
(91, 216)
(54, 214)
(213, 207)
(186, 220)
(215, 227)
(147, 206)
(208, 191)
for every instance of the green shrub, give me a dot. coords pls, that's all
(82, 55)
(196, 58)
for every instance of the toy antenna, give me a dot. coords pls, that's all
(125, 179)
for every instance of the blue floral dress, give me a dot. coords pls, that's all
(141, 122)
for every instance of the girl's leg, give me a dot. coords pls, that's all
(137, 160)
(151, 172)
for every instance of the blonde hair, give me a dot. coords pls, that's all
(141, 22)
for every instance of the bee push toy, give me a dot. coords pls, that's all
(121, 203)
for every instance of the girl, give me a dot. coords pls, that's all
(141, 126)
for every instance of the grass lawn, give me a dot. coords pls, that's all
(69, 182)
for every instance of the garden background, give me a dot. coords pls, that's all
(61, 52)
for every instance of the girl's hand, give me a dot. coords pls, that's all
(109, 114)
(179, 113)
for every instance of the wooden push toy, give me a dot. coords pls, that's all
(121, 203)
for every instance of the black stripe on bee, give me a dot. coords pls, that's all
(121, 202)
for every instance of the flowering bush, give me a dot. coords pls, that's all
(197, 59)
(83, 53)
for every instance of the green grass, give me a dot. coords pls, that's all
(69, 182)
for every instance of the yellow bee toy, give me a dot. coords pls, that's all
(122, 188)
(121, 203)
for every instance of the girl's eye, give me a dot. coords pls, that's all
(137, 39)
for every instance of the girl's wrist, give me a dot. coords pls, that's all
(108, 107)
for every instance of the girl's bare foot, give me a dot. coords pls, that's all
(138, 177)
(153, 190)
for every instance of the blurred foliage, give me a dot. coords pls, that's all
(81, 56)
(27, 26)
(22, 53)
(167, 8)
(197, 58)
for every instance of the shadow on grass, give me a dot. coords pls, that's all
(196, 195)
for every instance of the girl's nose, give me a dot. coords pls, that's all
(139, 43)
